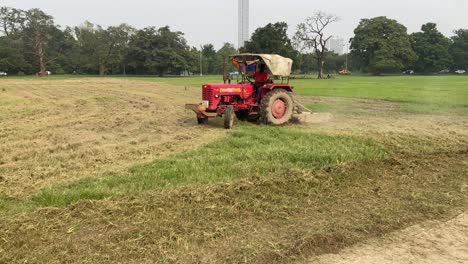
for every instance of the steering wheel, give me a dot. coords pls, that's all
(249, 79)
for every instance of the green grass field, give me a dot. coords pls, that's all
(416, 93)
(433, 94)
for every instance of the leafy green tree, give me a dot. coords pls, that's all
(272, 38)
(159, 51)
(12, 57)
(209, 59)
(334, 62)
(223, 55)
(121, 35)
(64, 50)
(101, 47)
(11, 20)
(383, 44)
(432, 49)
(459, 50)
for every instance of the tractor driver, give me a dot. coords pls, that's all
(261, 78)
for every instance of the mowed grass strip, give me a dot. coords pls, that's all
(248, 151)
(270, 219)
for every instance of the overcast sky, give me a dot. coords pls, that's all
(215, 21)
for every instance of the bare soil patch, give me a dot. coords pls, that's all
(55, 132)
(429, 242)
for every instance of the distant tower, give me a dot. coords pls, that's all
(243, 22)
(336, 44)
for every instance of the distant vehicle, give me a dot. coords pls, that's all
(460, 72)
(234, 73)
(3, 74)
(408, 72)
(444, 71)
(46, 73)
(344, 72)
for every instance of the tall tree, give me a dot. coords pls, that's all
(432, 49)
(63, 50)
(159, 51)
(223, 55)
(459, 50)
(383, 44)
(311, 35)
(272, 38)
(209, 58)
(121, 35)
(12, 57)
(37, 34)
(11, 20)
(101, 47)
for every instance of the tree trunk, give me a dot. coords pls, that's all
(41, 56)
(321, 62)
(102, 69)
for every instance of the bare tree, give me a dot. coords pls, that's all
(311, 35)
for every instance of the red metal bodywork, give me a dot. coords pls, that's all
(242, 96)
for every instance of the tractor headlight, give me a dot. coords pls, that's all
(216, 95)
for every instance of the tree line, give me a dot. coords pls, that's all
(380, 45)
(32, 43)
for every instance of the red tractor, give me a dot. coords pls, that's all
(240, 99)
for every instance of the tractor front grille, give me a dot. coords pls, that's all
(208, 95)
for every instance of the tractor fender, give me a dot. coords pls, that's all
(286, 87)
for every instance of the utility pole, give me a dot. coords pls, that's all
(201, 61)
(347, 51)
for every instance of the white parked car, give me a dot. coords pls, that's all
(3, 74)
(460, 72)
(409, 72)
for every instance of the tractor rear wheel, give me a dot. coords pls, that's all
(229, 116)
(277, 107)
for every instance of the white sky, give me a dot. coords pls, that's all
(215, 21)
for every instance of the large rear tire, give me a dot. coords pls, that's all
(229, 116)
(277, 107)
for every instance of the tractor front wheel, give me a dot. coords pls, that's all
(277, 107)
(229, 116)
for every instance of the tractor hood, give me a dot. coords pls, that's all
(278, 65)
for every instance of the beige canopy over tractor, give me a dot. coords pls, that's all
(278, 65)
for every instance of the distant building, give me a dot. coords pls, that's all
(244, 34)
(336, 45)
